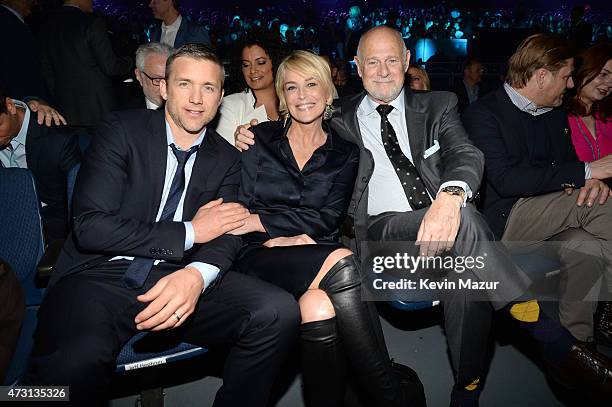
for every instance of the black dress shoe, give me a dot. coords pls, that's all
(586, 370)
(603, 326)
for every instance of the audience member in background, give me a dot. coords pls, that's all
(529, 163)
(21, 73)
(148, 251)
(20, 70)
(417, 78)
(254, 65)
(11, 315)
(150, 70)
(470, 88)
(78, 63)
(589, 107)
(292, 236)
(49, 152)
(341, 75)
(589, 104)
(175, 30)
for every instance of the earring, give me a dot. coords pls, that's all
(328, 113)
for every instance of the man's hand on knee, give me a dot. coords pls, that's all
(440, 225)
(171, 300)
(593, 191)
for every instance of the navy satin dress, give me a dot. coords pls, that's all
(291, 202)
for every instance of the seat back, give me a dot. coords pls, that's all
(21, 237)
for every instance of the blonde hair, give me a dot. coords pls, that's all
(535, 52)
(305, 63)
(423, 73)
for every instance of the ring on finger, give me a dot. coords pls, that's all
(177, 316)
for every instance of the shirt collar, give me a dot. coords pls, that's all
(175, 25)
(523, 103)
(22, 135)
(150, 105)
(368, 105)
(170, 136)
(19, 16)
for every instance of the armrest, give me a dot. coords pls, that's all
(47, 262)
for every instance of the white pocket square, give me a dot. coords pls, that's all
(431, 150)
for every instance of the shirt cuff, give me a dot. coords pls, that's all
(587, 171)
(208, 272)
(460, 184)
(189, 235)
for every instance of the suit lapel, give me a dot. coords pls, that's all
(349, 118)
(31, 143)
(159, 154)
(415, 123)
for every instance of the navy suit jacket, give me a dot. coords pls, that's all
(516, 166)
(188, 32)
(118, 192)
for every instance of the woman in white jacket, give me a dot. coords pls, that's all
(257, 56)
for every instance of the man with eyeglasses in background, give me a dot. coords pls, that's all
(150, 70)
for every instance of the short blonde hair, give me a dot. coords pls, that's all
(305, 63)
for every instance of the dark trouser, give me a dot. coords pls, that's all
(12, 309)
(467, 318)
(85, 319)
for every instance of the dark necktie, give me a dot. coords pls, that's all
(137, 273)
(411, 181)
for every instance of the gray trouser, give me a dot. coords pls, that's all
(467, 317)
(584, 256)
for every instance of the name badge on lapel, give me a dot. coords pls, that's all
(432, 150)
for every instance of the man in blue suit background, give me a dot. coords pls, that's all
(175, 30)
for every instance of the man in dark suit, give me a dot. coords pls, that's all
(470, 88)
(78, 63)
(153, 201)
(175, 30)
(150, 70)
(21, 70)
(532, 172)
(49, 152)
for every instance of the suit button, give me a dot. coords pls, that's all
(364, 179)
(503, 215)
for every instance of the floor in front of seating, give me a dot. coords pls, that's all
(415, 339)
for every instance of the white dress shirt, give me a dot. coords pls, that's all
(238, 109)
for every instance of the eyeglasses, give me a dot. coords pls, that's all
(154, 81)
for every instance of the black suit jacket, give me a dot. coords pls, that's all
(50, 153)
(78, 63)
(20, 70)
(430, 117)
(118, 193)
(516, 167)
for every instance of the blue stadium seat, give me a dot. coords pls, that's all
(21, 246)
